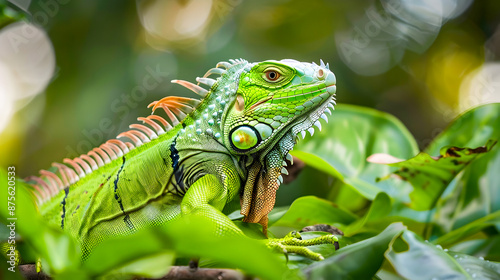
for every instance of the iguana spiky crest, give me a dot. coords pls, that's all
(176, 108)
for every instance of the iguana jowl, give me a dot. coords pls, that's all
(229, 147)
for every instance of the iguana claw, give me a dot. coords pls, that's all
(293, 243)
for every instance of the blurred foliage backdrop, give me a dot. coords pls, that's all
(422, 61)
(90, 68)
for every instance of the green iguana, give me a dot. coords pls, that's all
(207, 157)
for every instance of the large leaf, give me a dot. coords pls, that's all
(477, 268)
(353, 134)
(327, 181)
(310, 181)
(383, 212)
(470, 229)
(310, 210)
(116, 253)
(487, 247)
(357, 261)
(8, 270)
(190, 236)
(380, 208)
(476, 191)
(472, 129)
(413, 258)
(430, 176)
(154, 266)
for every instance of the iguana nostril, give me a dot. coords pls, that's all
(320, 74)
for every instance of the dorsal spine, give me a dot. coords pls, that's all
(48, 184)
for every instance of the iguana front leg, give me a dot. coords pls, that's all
(208, 196)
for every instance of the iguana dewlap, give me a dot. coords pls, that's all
(204, 157)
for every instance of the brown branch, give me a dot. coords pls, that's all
(176, 273)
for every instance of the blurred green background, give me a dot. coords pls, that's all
(422, 61)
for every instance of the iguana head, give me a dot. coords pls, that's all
(256, 111)
(274, 101)
(274, 98)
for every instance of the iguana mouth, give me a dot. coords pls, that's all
(312, 119)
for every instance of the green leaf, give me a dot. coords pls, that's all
(380, 208)
(154, 266)
(414, 259)
(430, 176)
(491, 220)
(474, 193)
(115, 253)
(310, 210)
(318, 163)
(353, 134)
(472, 129)
(357, 261)
(487, 247)
(319, 173)
(8, 270)
(190, 236)
(477, 268)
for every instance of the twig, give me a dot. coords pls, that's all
(176, 273)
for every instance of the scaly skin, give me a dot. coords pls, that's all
(238, 136)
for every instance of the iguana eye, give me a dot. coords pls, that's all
(272, 75)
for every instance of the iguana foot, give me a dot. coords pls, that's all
(38, 265)
(293, 243)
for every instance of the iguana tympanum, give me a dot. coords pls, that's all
(212, 153)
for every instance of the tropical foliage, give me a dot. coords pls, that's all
(439, 209)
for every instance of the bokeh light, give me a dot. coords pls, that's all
(422, 61)
(27, 63)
